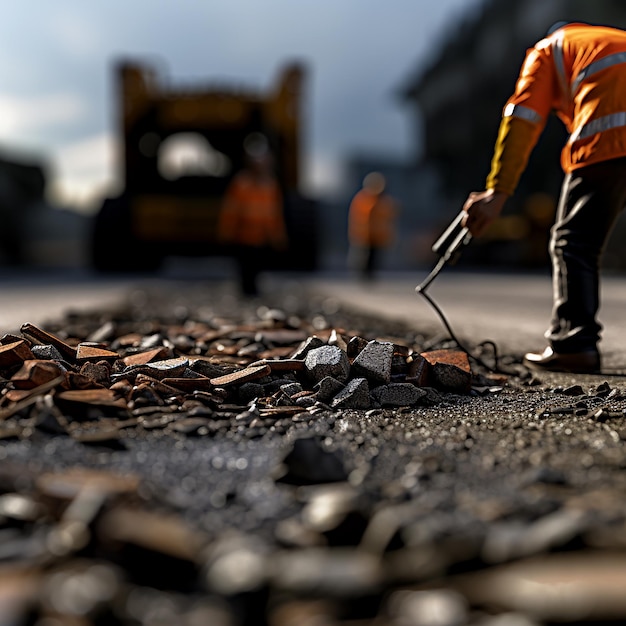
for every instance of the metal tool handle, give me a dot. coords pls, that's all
(453, 238)
(448, 247)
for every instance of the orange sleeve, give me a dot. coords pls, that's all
(524, 118)
(537, 86)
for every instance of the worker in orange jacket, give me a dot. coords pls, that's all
(371, 218)
(578, 71)
(251, 218)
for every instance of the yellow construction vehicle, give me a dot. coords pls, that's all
(181, 147)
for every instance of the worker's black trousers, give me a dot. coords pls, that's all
(364, 260)
(591, 199)
(250, 263)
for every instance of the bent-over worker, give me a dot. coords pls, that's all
(579, 72)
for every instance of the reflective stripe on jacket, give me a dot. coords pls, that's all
(579, 72)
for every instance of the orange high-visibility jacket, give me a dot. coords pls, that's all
(252, 212)
(370, 219)
(579, 72)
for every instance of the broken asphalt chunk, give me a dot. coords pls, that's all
(311, 343)
(398, 394)
(14, 353)
(189, 384)
(46, 351)
(528, 587)
(450, 370)
(282, 365)
(355, 395)
(328, 361)
(336, 572)
(88, 352)
(374, 362)
(242, 376)
(208, 368)
(309, 463)
(237, 566)
(354, 346)
(65, 485)
(99, 372)
(22, 398)
(36, 372)
(327, 388)
(170, 368)
(141, 358)
(418, 370)
(97, 397)
(37, 335)
(167, 542)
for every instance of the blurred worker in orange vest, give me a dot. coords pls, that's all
(252, 217)
(371, 218)
(579, 72)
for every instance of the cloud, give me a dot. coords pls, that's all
(25, 121)
(323, 174)
(85, 171)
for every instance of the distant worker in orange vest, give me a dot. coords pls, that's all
(578, 71)
(252, 217)
(371, 217)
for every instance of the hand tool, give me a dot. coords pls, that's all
(449, 246)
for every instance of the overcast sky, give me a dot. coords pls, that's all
(56, 99)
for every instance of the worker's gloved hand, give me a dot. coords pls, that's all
(483, 208)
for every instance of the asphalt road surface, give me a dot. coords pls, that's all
(493, 498)
(510, 309)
